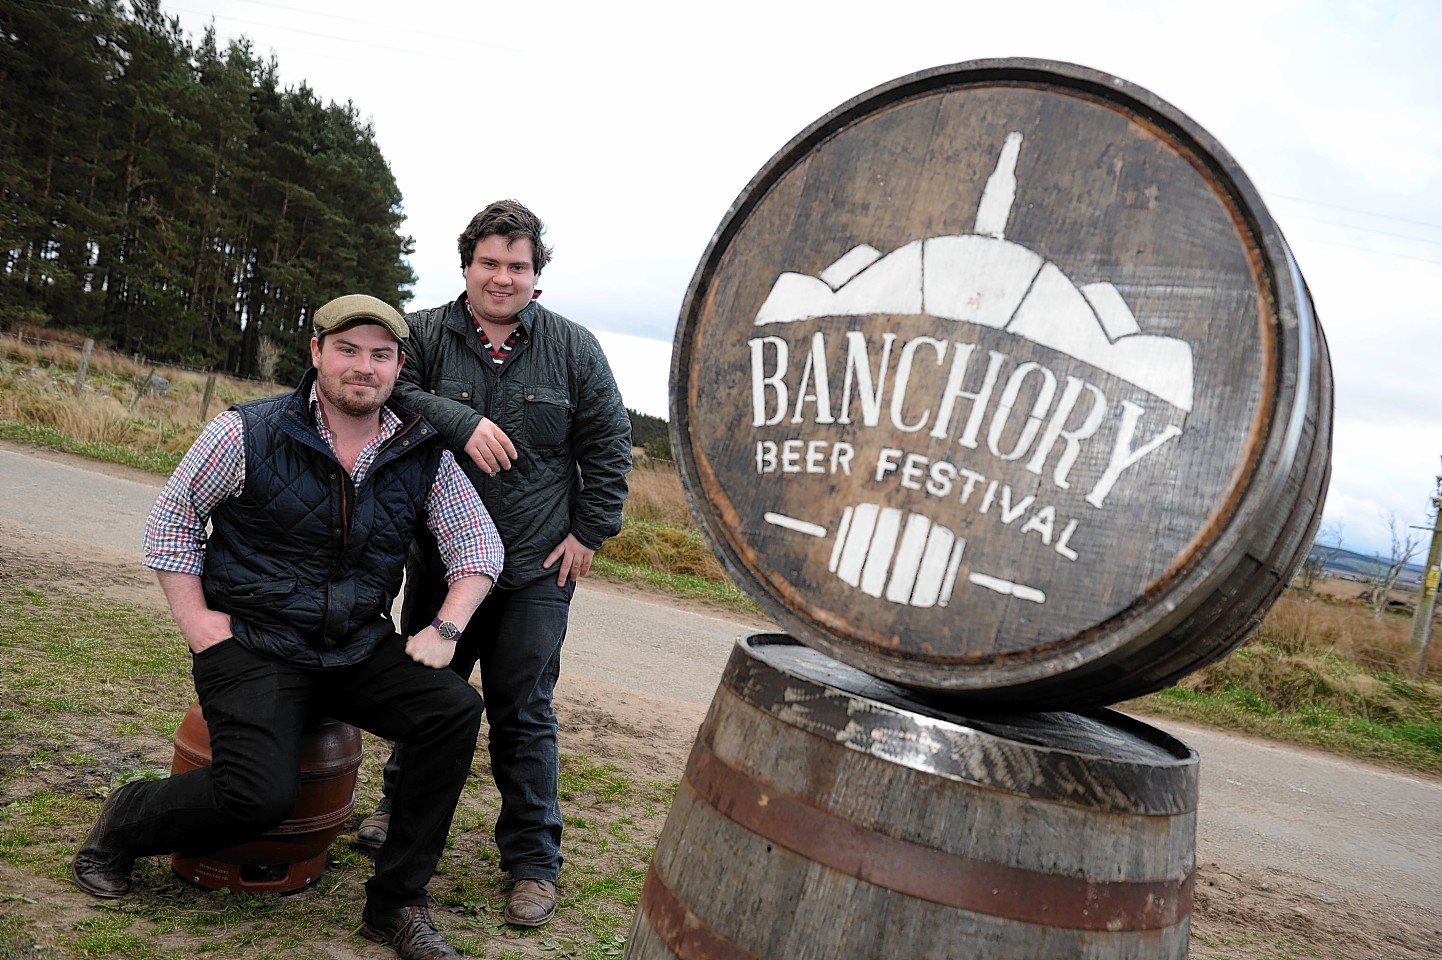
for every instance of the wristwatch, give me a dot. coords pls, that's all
(447, 630)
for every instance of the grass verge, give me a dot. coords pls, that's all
(1396, 725)
(92, 694)
(690, 587)
(152, 459)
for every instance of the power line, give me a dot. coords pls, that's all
(1365, 213)
(1380, 253)
(1380, 233)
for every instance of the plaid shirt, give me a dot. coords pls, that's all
(214, 469)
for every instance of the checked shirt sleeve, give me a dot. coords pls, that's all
(469, 543)
(212, 470)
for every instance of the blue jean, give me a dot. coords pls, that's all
(515, 637)
(256, 710)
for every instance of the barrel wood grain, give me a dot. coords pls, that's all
(824, 814)
(999, 380)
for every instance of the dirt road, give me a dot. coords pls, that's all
(1327, 832)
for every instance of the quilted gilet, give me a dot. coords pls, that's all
(306, 561)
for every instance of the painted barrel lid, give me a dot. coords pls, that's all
(1000, 379)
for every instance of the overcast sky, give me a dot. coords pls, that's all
(630, 127)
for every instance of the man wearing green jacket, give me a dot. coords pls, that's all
(528, 403)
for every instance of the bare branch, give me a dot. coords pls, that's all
(1406, 544)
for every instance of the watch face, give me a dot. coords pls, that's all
(447, 630)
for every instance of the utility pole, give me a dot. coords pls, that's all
(1427, 599)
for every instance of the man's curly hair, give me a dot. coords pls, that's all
(509, 219)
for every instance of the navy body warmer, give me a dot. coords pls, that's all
(306, 561)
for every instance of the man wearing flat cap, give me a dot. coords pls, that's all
(313, 497)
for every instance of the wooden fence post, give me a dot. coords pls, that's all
(1427, 598)
(84, 365)
(205, 401)
(141, 388)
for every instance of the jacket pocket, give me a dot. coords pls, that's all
(259, 590)
(548, 415)
(461, 391)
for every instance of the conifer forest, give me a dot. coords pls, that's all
(172, 199)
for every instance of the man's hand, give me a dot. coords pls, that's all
(429, 649)
(575, 560)
(490, 448)
(201, 626)
(462, 599)
(204, 629)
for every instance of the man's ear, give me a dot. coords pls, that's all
(400, 358)
(315, 352)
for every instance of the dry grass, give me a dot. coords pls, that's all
(656, 494)
(660, 531)
(1322, 672)
(118, 405)
(1322, 625)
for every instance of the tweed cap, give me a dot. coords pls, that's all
(356, 307)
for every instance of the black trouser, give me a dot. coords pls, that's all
(257, 709)
(515, 637)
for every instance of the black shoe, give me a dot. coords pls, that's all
(410, 930)
(102, 867)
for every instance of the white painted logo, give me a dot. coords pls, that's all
(985, 280)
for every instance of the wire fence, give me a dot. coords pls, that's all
(34, 336)
(46, 337)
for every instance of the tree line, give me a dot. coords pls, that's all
(652, 433)
(172, 199)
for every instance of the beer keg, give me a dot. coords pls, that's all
(1000, 381)
(291, 856)
(824, 813)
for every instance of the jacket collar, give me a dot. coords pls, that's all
(459, 316)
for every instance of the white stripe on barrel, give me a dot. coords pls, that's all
(903, 556)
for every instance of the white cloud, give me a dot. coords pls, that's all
(635, 362)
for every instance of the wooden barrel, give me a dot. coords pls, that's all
(1000, 380)
(292, 856)
(824, 813)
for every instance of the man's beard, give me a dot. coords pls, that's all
(335, 393)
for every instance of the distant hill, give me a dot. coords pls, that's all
(1356, 566)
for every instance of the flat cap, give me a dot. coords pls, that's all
(356, 308)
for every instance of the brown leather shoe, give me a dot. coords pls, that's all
(101, 867)
(409, 930)
(374, 829)
(531, 903)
